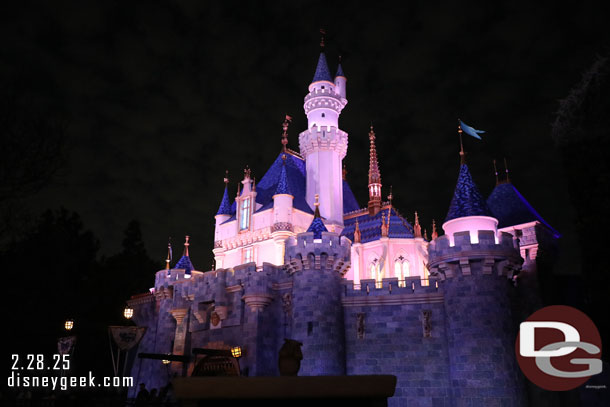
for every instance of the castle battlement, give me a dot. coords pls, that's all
(323, 138)
(331, 252)
(390, 286)
(486, 256)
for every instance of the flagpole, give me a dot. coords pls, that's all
(462, 157)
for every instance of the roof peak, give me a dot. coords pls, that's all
(322, 72)
(467, 200)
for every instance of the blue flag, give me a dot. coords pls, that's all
(471, 131)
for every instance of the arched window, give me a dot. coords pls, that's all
(401, 270)
(375, 273)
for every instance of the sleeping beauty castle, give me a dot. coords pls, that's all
(364, 292)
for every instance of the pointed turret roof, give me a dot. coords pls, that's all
(185, 260)
(283, 184)
(510, 207)
(322, 71)
(467, 200)
(340, 71)
(317, 226)
(225, 204)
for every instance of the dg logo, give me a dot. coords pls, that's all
(559, 348)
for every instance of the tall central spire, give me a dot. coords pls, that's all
(374, 177)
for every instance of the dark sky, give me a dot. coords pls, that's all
(160, 98)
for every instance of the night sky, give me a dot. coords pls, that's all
(159, 99)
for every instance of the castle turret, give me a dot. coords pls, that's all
(283, 200)
(317, 261)
(475, 270)
(324, 145)
(340, 82)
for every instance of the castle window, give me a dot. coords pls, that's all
(376, 273)
(323, 115)
(244, 214)
(247, 255)
(425, 280)
(401, 270)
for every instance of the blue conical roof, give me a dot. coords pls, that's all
(322, 71)
(467, 200)
(317, 227)
(185, 263)
(225, 204)
(283, 185)
(511, 208)
(340, 71)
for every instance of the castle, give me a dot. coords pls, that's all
(363, 291)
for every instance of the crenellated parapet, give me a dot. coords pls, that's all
(487, 256)
(331, 252)
(325, 98)
(319, 138)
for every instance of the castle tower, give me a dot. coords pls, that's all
(475, 270)
(317, 261)
(374, 177)
(323, 144)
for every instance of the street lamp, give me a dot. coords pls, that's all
(236, 352)
(128, 312)
(69, 324)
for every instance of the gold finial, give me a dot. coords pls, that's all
(344, 172)
(317, 205)
(496, 172)
(285, 125)
(506, 169)
(390, 196)
(416, 226)
(322, 35)
(434, 233)
(226, 179)
(247, 172)
(357, 233)
(186, 245)
(169, 253)
(425, 234)
(254, 184)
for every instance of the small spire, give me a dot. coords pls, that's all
(247, 173)
(186, 245)
(285, 125)
(254, 184)
(374, 177)
(357, 233)
(238, 189)
(169, 254)
(496, 172)
(434, 232)
(226, 179)
(506, 169)
(385, 226)
(390, 196)
(322, 35)
(344, 172)
(416, 226)
(462, 154)
(317, 205)
(425, 234)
